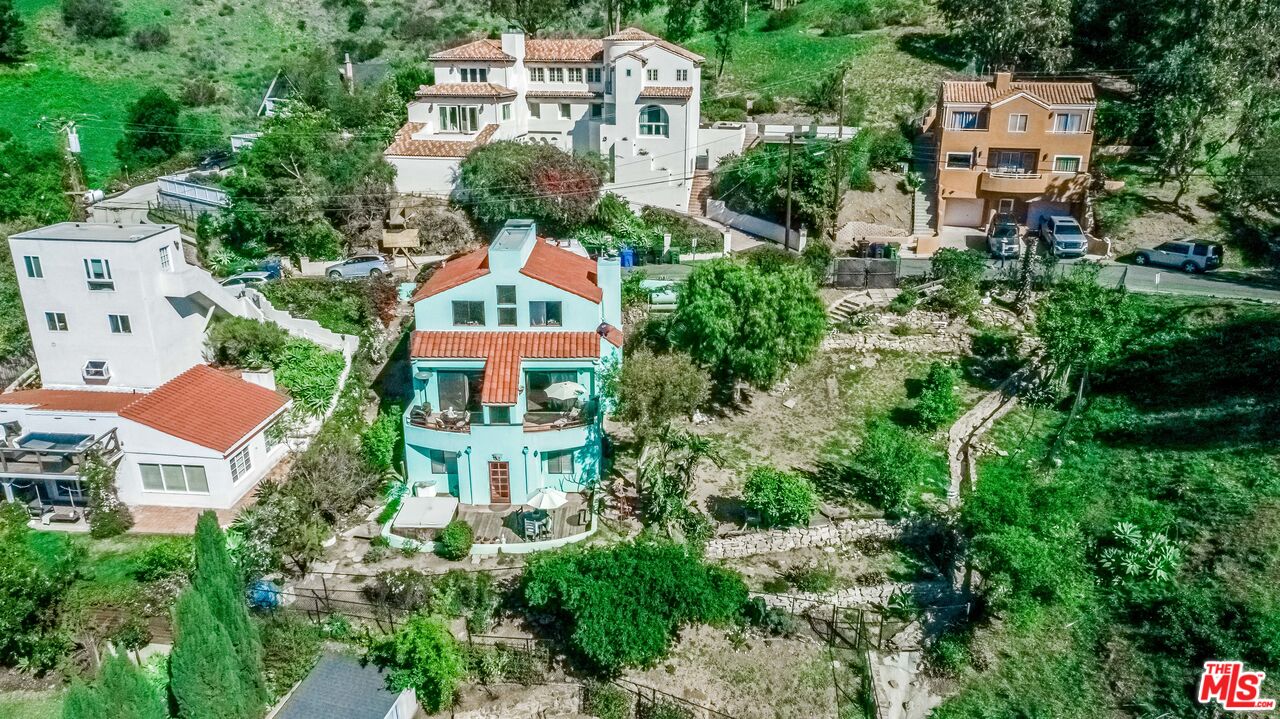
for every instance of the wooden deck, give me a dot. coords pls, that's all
(498, 524)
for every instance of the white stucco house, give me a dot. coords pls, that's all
(632, 97)
(118, 320)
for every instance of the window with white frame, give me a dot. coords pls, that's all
(175, 478)
(1018, 122)
(535, 110)
(593, 74)
(164, 258)
(555, 74)
(537, 74)
(241, 463)
(443, 462)
(575, 74)
(558, 462)
(1068, 122)
(34, 270)
(651, 74)
(654, 121)
(1006, 204)
(566, 111)
(56, 321)
(459, 118)
(475, 74)
(959, 160)
(96, 369)
(506, 111)
(682, 76)
(1066, 163)
(963, 120)
(98, 273)
(119, 324)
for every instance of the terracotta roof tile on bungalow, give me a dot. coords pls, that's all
(455, 271)
(563, 50)
(981, 92)
(502, 353)
(71, 400)
(546, 263)
(478, 50)
(659, 91)
(206, 407)
(405, 145)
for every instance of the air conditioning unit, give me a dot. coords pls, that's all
(96, 370)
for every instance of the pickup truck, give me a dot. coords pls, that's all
(1065, 236)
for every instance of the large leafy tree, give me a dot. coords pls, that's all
(30, 182)
(422, 656)
(151, 131)
(656, 389)
(12, 45)
(622, 605)
(121, 691)
(533, 15)
(511, 179)
(744, 322)
(1009, 34)
(723, 19)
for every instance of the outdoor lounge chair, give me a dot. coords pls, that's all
(572, 416)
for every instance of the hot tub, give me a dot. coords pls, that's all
(54, 441)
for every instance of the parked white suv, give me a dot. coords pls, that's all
(1065, 236)
(1186, 254)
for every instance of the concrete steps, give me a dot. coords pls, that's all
(844, 308)
(699, 193)
(924, 204)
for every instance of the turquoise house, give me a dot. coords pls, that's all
(508, 349)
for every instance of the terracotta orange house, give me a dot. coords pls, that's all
(1004, 145)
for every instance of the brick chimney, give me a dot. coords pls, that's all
(1002, 81)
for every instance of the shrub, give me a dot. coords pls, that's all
(904, 302)
(683, 229)
(345, 307)
(887, 464)
(813, 578)
(455, 540)
(151, 132)
(781, 19)
(780, 498)
(717, 111)
(310, 373)
(887, 149)
(160, 561)
(471, 595)
(241, 342)
(961, 273)
(290, 648)
(771, 620)
(33, 584)
(399, 589)
(93, 19)
(658, 586)
(199, 92)
(425, 657)
(381, 440)
(606, 701)
(510, 179)
(937, 403)
(108, 516)
(151, 37)
(764, 105)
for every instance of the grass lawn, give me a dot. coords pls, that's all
(31, 704)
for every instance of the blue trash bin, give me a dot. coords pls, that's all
(628, 257)
(264, 594)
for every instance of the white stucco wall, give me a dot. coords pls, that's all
(425, 175)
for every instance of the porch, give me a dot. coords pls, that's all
(514, 529)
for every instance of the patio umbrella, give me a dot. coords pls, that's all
(565, 391)
(547, 498)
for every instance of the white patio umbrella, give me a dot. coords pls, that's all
(565, 391)
(547, 498)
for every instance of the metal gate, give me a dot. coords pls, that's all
(863, 273)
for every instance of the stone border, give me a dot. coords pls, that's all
(783, 540)
(876, 595)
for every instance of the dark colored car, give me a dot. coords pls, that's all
(1004, 236)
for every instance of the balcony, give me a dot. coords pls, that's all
(48, 454)
(1013, 181)
(542, 421)
(446, 421)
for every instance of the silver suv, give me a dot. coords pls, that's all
(1064, 235)
(359, 266)
(1186, 254)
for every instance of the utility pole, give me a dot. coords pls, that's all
(786, 233)
(837, 182)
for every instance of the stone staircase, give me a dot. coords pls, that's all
(699, 193)
(845, 307)
(924, 203)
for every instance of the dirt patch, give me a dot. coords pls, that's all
(753, 679)
(858, 565)
(1160, 220)
(886, 205)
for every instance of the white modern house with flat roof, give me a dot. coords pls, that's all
(632, 97)
(118, 320)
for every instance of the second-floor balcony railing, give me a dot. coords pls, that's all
(578, 416)
(1012, 180)
(46, 453)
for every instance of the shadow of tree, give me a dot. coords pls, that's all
(726, 510)
(935, 47)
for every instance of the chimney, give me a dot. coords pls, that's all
(261, 377)
(609, 278)
(512, 246)
(1002, 81)
(513, 43)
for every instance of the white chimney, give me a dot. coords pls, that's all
(513, 43)
(261, 377)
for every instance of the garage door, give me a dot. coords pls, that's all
(963, 213)
(1038, 210)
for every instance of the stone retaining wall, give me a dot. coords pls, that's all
(922, 344)
(877, 595)
(783, 540)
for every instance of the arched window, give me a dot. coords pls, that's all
(654, 121)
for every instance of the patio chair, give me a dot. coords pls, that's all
(572, 416)
(37, 508)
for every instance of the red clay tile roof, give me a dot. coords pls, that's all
(683, 93)
(563, 50)
(478, 50)
(631, 33)
(502, 352)
(404, 145)
(71, 400)
(981, 92)
(553, 94)
(613, 335)
(564, 269)
(206, 407)
(455, 271)
(465, 89)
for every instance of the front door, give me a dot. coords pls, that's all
(499, 483)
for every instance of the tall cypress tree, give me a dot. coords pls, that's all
(121, 692)
(12, 45)
(218, 580)
(204, 671)
(83, 702)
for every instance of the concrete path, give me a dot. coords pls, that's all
(901, 691)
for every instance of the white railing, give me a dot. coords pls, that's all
(204, 194)
(1014, 174)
